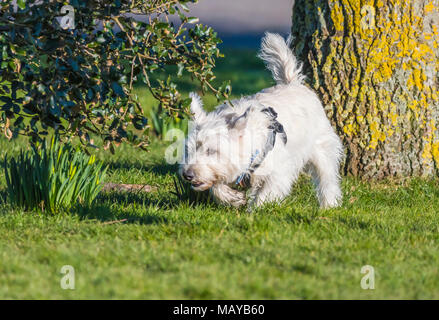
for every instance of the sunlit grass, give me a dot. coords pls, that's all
(153, 245)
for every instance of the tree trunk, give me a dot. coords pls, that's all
(375, 65)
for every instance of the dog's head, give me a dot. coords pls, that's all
(218, 147)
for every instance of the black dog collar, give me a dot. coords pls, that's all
(258, 157)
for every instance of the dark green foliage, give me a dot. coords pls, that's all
(79, 80)
(53, 177)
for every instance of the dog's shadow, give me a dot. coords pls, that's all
(108, 216)
(110, 207)
(137, 207)
(161, 169)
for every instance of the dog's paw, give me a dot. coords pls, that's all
(332, 202)
(239, 200)
(223, 194)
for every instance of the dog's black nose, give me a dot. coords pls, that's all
(188, 175)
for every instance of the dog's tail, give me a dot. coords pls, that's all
(279, 59)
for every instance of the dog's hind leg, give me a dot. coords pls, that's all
(324, 167)
(273, 188)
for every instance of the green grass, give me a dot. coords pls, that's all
(167, 249)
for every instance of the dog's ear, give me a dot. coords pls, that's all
(239, 122)
(197, 110)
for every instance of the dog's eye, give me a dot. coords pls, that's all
(210, 151)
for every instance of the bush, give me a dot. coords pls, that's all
(78, 78)
(53, 177)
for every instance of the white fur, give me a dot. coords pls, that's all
(222, 142)
(280, 60)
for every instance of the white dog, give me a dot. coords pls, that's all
(253, 150)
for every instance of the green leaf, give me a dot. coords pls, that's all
(21, 4)
(193, 20)
(184, 6)
(117, 89)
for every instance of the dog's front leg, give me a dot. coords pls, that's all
(253, 198)
(228, 196)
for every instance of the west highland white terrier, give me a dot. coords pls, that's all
(252, 150)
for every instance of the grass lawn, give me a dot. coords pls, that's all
(167, 249)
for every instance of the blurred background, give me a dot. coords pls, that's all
(241, 23)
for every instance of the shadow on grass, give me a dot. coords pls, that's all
(112, 206)
(3, 196)
(107, 215)
(131, 207)
(145, 199)
(162, 169)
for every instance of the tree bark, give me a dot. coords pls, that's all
(375, 65)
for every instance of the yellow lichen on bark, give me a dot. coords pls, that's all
(376, 65)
